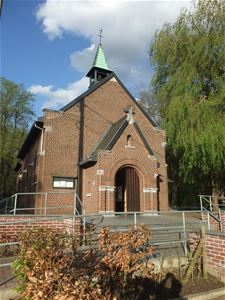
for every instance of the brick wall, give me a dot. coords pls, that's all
(214, 224)
(71, 136)
(121, 156)
(14, 225)
(106, 106)
(215, 251)
(28, 172)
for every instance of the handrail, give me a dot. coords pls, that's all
(209, 212)
(80, 203)
(13, 200)
(5, 199)
(213, 216)
(204, 197)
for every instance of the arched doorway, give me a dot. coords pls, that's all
(127, 196)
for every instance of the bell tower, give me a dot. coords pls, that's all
(100, 67)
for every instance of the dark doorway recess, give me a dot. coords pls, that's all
(127, 196)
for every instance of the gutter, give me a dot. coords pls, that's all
(42, 135)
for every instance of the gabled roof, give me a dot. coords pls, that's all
(87, 92)
(100, 83)
(112, 135)
(34, 132)
(110, 138)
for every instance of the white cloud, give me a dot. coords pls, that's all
(128, 27)
(39, 89)
(56, 98)
(82, 60)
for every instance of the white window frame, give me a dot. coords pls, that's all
(60, 182)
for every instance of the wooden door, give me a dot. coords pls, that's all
(132, 189)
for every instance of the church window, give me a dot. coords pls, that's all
(129, 140)
(129, 143)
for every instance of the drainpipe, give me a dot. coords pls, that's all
(42, 135)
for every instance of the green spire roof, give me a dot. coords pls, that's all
(100, 60)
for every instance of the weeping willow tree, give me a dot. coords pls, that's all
(189, 86)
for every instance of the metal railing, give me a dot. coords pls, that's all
(120, 221)
(42, 203)
(6, 204)
(211, 208)
(157, 221)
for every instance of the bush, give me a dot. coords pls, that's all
(8, 250)
(50, 266)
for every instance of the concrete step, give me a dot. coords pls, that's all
(164, 236)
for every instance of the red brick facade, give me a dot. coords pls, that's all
(215, 251)
(12, 226)
(70, 135)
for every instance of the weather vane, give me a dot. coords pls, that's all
(100, 35)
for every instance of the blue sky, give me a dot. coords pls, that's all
(48, 46)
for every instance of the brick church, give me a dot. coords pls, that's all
(102, 145)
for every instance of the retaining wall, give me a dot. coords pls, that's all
(11, 226)
(215, 251)
(214, 224)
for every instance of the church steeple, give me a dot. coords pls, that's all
(100, 68)
(100, 60)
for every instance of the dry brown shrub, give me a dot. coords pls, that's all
(8, 250)
(51, 267)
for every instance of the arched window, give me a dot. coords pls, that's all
(129, 140)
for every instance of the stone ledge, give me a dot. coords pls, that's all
(204, 295)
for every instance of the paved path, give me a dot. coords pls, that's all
(6, 273)
(164, 218)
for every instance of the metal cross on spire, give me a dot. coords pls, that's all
(100, 35)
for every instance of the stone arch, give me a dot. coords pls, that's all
(142, 171)
(143, 175)
(127, 189)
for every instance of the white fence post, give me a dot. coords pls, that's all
(208, 220)
(201, 206)
(210, 203)
(15, 204)
(46, 200)
(84, 230)
(184, 232)
(135, 220)
(75, 203)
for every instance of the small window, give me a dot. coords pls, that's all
(63, 182)
(129, 140)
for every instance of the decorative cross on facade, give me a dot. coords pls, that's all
(130, 112)
(100, 35)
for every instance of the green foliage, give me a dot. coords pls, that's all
(15, 114)
(189, 85)
(18, 269)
